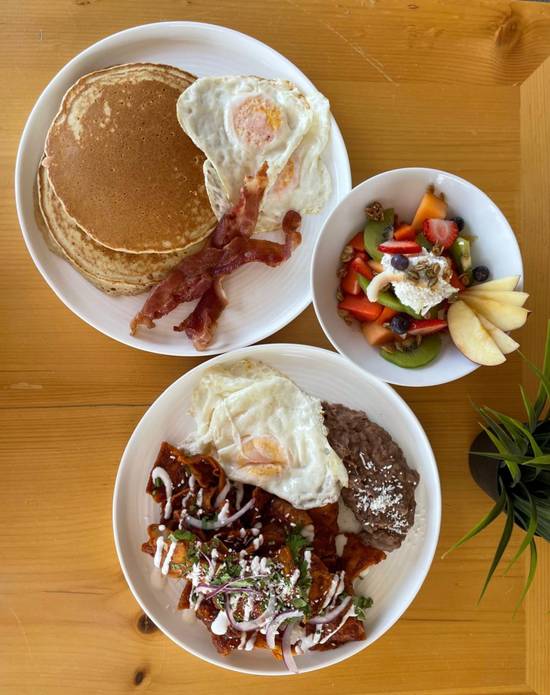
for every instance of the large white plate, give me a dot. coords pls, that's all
(393, 584)
(261, 300)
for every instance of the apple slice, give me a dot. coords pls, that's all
(470, 337)
(507, 317)
(506, 284)
(505, 344)
(502, 296)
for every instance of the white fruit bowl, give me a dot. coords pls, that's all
(495, 246)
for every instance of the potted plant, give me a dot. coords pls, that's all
(510, 461)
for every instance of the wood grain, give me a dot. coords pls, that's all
(444, 84)
(535, 207)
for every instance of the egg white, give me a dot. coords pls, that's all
(241, 121)
(266, 431)
(304, 183)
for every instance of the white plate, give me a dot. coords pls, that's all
(393, 584)
(494, 246)
(261, 300)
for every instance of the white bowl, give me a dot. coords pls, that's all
(393, 584)
(495, 246)
(262, 300)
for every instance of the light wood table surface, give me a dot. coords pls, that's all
(459, 85)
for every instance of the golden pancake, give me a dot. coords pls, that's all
(129, 272)
(112, 288)
(121, 165)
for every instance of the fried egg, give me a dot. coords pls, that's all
(241, 122)
(266, 431)
(304, 183)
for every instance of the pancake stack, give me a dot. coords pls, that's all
(120, 188)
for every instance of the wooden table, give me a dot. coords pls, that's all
(459, 85)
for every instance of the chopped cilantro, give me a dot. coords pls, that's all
(157, 482)
(300, 602)
(229, 571)
(296, 543)
(361, 604)
(193, 553)
(179, 565)
(182, 535)
(219, 602)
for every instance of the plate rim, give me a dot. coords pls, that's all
(433, 171)
(278, 348)
(184, 349)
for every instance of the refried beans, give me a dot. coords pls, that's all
(381, 485)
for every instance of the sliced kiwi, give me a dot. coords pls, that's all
(422, 241)
(378, 232)
(419, 356)
(460, 251)
(387, 298)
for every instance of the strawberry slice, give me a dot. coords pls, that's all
(440, 232)
(426, 326)
(404, 246)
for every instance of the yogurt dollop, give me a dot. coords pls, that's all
(417, 294)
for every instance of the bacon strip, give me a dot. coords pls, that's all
(192, 277)
(241, 220)
(199, 325)
(242, 250)
(229, 247)
(189, 280)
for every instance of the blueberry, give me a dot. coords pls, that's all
(400, 324)
(400, 262)
(481, 273)
(459, 223)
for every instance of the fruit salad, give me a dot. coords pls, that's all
(408, 283)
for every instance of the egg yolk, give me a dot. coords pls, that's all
(257, 120)
(286, 178)
(264, 453)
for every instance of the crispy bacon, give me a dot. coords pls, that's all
(241, 220)
(199, 325)
(229, 247)
(189, 280)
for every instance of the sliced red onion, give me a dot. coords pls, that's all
(257, 623)
(212, 525)
(331, 615)
(211, 565)
(276, 623)
(222, 495)
(287, 648)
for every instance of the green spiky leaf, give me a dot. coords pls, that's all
(502, 545)
(530, 576)
(529, 532)
(487, 519)
(543, 393)
(529, 409)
